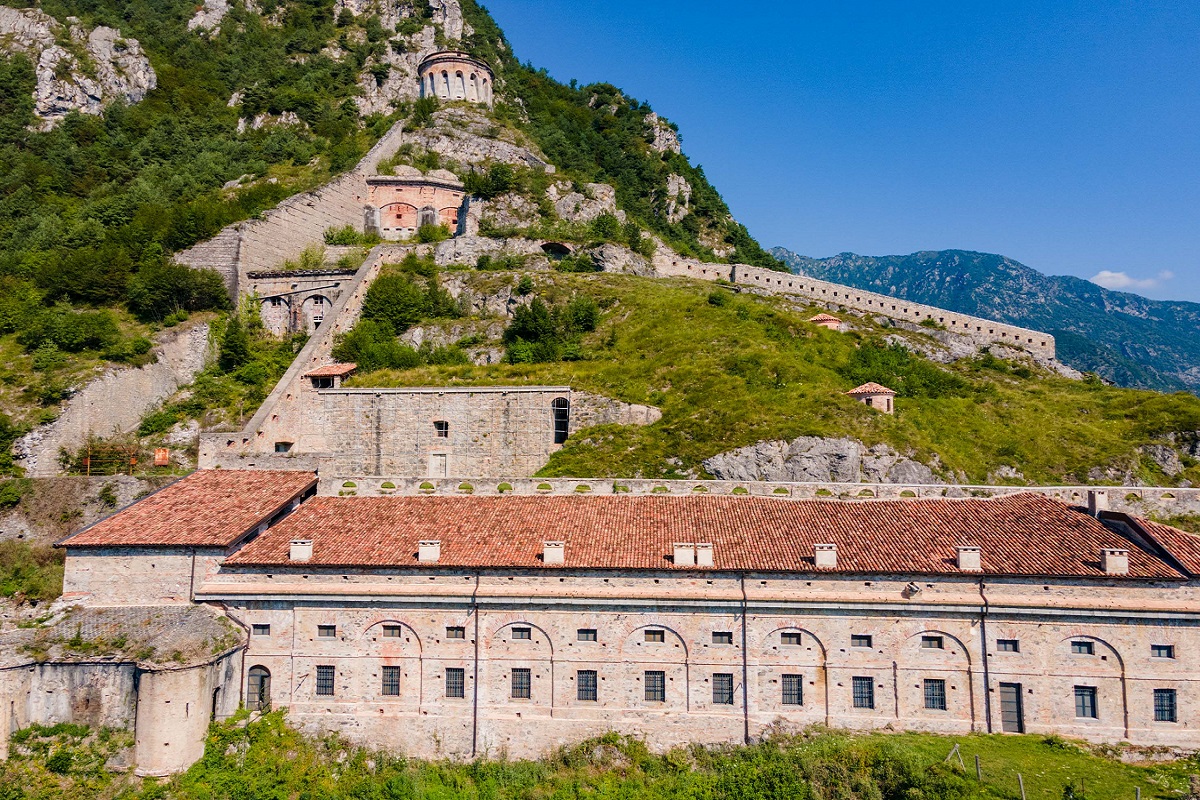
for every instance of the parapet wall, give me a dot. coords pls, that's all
(773, 282)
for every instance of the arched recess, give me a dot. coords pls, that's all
(785, 650)
(1103, 669)
(460, 86)
(473, 88)
(428, 216)
(393, 645)
(445, 86)
(642, 653)
(919, 662)
(398, 216)
(449, 217)
(276, 315)
(258, 688)
(313, 311)
(506, 651)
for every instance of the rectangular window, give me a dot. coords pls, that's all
(1162, 651)
(1164, 705)
(442, 429)
(935, 694)
(327, 631)
(522, 633)
(587, 634)
(585, 685)
(864, 692)
(656, 686)
(1083, 648)
(722, 689)
(860, 640)
(722, 637)
(261, 630)
(392, 631)
(522, 680)
(790, 639)
(656, 636)
(456, 682)
(1085, 702)
(932, 643)
(1008, 645)
(325, 681)
(793, 690)
(456, 633)
(391, 681)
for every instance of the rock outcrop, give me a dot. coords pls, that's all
(466, 136)
(77, 70)
(679, 198)
(664, 138)
(595, 199)
(813, 459)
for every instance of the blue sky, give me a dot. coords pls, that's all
(1063, 134)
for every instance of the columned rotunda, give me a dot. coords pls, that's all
(453, 75)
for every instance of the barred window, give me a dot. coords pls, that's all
(456, 633)
(325, 681)
(585, 685)
(1162, 651)
(933, 643)
(722, 637)
(656, 686)
(1085, 702)
(261, 630)
(522, 633)
(1165, 705)
(722, 689)
(790, 639)
(391, 681)
(656, 636)
(521, 683)
(327, 631)
(456, 682)
(587, 634)
(1083, 648)
(860, 640)
(392, 631)
(1008, 645)
(864, 692)
(935, 694)
(793, 690)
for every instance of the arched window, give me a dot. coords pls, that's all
(446, 85)
(258, 689)
(562, 419)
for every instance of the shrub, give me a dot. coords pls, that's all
(161, 289)
(499, 179)
(430, 234)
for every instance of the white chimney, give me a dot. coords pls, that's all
(1097, 502)
(704, 555)
(825, 556)
(1114, 561)
(429, 552)
(685, 554)
(970, 559)
(301, 550)
(554, 552)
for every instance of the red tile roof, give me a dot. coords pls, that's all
(332, 371)
(871, 388)
(213, 508)
(1184, 546)
(1020, 535)
(824, 318)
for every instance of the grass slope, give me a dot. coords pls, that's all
(753, 369)
(265, 760)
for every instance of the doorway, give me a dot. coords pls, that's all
(439, 465)
(1012, 714)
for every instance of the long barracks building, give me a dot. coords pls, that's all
(469, 625)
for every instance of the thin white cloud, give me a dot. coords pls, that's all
(1122, 281)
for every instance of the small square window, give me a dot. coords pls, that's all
(793, 690)
(1083, 648)
(456, 633)
(722, 637)
(587, 634)
(860, 640)
(790, 639)
(522, 633)
(723, 689)
(391, 682)
(325, 681)
(260, 630)
(442, 429)
(1165, 709)
(327, 631)
(522, 683)
(933, 643)
(656, 636)
(1162, 651)
(456, 682)
(392, 631)
(1008, 645)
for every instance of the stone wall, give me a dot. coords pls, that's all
(838, 296)
(121, 576)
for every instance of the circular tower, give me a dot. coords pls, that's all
(453, 75)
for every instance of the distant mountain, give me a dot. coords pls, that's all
(1127, 339)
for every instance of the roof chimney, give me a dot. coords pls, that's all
(704, 555)
(685, 554)
(1114, 561)
(428, 552)
(301, 550)
(554, 552)
(825, 556)
(970, 559)
(1097, 502)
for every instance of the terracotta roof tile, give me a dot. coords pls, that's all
(213, 508)
(1181, 544)
(332, 371)
(1019, 535)
(824, 318)
(871, 388)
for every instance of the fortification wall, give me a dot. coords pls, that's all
(835, 295)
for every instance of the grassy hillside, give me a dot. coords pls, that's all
(731, 370)
(265, 760)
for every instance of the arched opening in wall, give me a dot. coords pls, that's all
(216, 703)
(258, 689)
(314, 310)
(474, 86)
(449, 217)
(556, 250)
(445, 86)
(487, 92)
(460, 86)
(562, 419)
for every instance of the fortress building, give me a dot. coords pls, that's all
(453, 75)
(402, 204)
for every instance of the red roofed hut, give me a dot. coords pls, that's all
(875, 396)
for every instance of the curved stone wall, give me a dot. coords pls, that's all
(452, 75)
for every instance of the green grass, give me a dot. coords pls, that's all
(30, 571)
(751, 369)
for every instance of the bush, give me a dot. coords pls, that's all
(895, 366)
(403, 298)
(431, 234)
(161, 289)
(499, 179)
